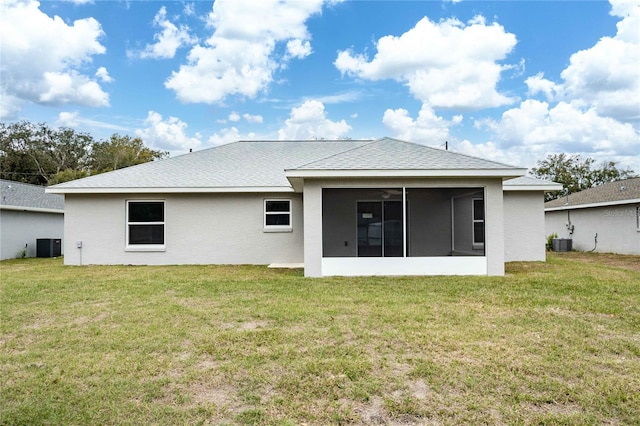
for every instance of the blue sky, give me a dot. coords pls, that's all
(511, 81)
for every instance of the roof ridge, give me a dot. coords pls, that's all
(369, 142)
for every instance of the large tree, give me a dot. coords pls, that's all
(577, 174)
(35, 153)
(121, 151)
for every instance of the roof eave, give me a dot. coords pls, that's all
(31, 209)
(592, 205)
(170, 190)
(403, 173)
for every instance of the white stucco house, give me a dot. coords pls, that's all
(605, 218)
(27, 213)
(366, 207)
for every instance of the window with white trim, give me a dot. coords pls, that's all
(478, 222)
(145, 225)
(277, 215)
(638, 218)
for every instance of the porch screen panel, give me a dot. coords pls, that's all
(370, 229)
(392, 228)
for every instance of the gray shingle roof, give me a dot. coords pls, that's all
(238, 164)
(393, 154)
(612, 192)
(262, 164)
(17, 194)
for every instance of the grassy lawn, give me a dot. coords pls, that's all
(550, 343)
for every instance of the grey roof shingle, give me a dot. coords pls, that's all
(393, 154)
(238, 164)
(611, 192)
(262, 164)
(17, 194)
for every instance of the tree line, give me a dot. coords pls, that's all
(41, 155)
(576, 173)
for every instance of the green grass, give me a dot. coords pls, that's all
(550, 343)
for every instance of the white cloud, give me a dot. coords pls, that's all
(74, 119)
(71, 87)
(349, 96)
(239, 58)
(228, 135)
(539, 84)
(606, 75)
(297, 48)
(309, 121)
(103, 75)
(68, 119)
(252, 118)
(169, 40)
(169, 134)
(43, 57)
(535, 128)
(446, 64)
(235, 117)
(492, 151)
(427, 127)
(189, 9)
(592, 111)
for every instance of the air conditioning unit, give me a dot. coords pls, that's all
(562, 244)
(48, 247)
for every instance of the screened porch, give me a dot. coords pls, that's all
(407, 228)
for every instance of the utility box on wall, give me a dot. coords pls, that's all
(562, 244)
(48, 247)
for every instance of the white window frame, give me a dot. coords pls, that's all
(146, 247)
(476, 244)
(277, 228)
(638, 218)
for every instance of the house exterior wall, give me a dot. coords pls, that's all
(524, 227)
(494, 227)
(18, 228)
(199, 229)
(616, 226)
(494, 244)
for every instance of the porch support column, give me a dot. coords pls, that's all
(312, 206)
(404, 222)
(494, 228)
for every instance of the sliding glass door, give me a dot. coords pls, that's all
(380, 229)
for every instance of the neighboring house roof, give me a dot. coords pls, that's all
(528, 183)
(24, 196)
(260, 166)
(608, 194)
